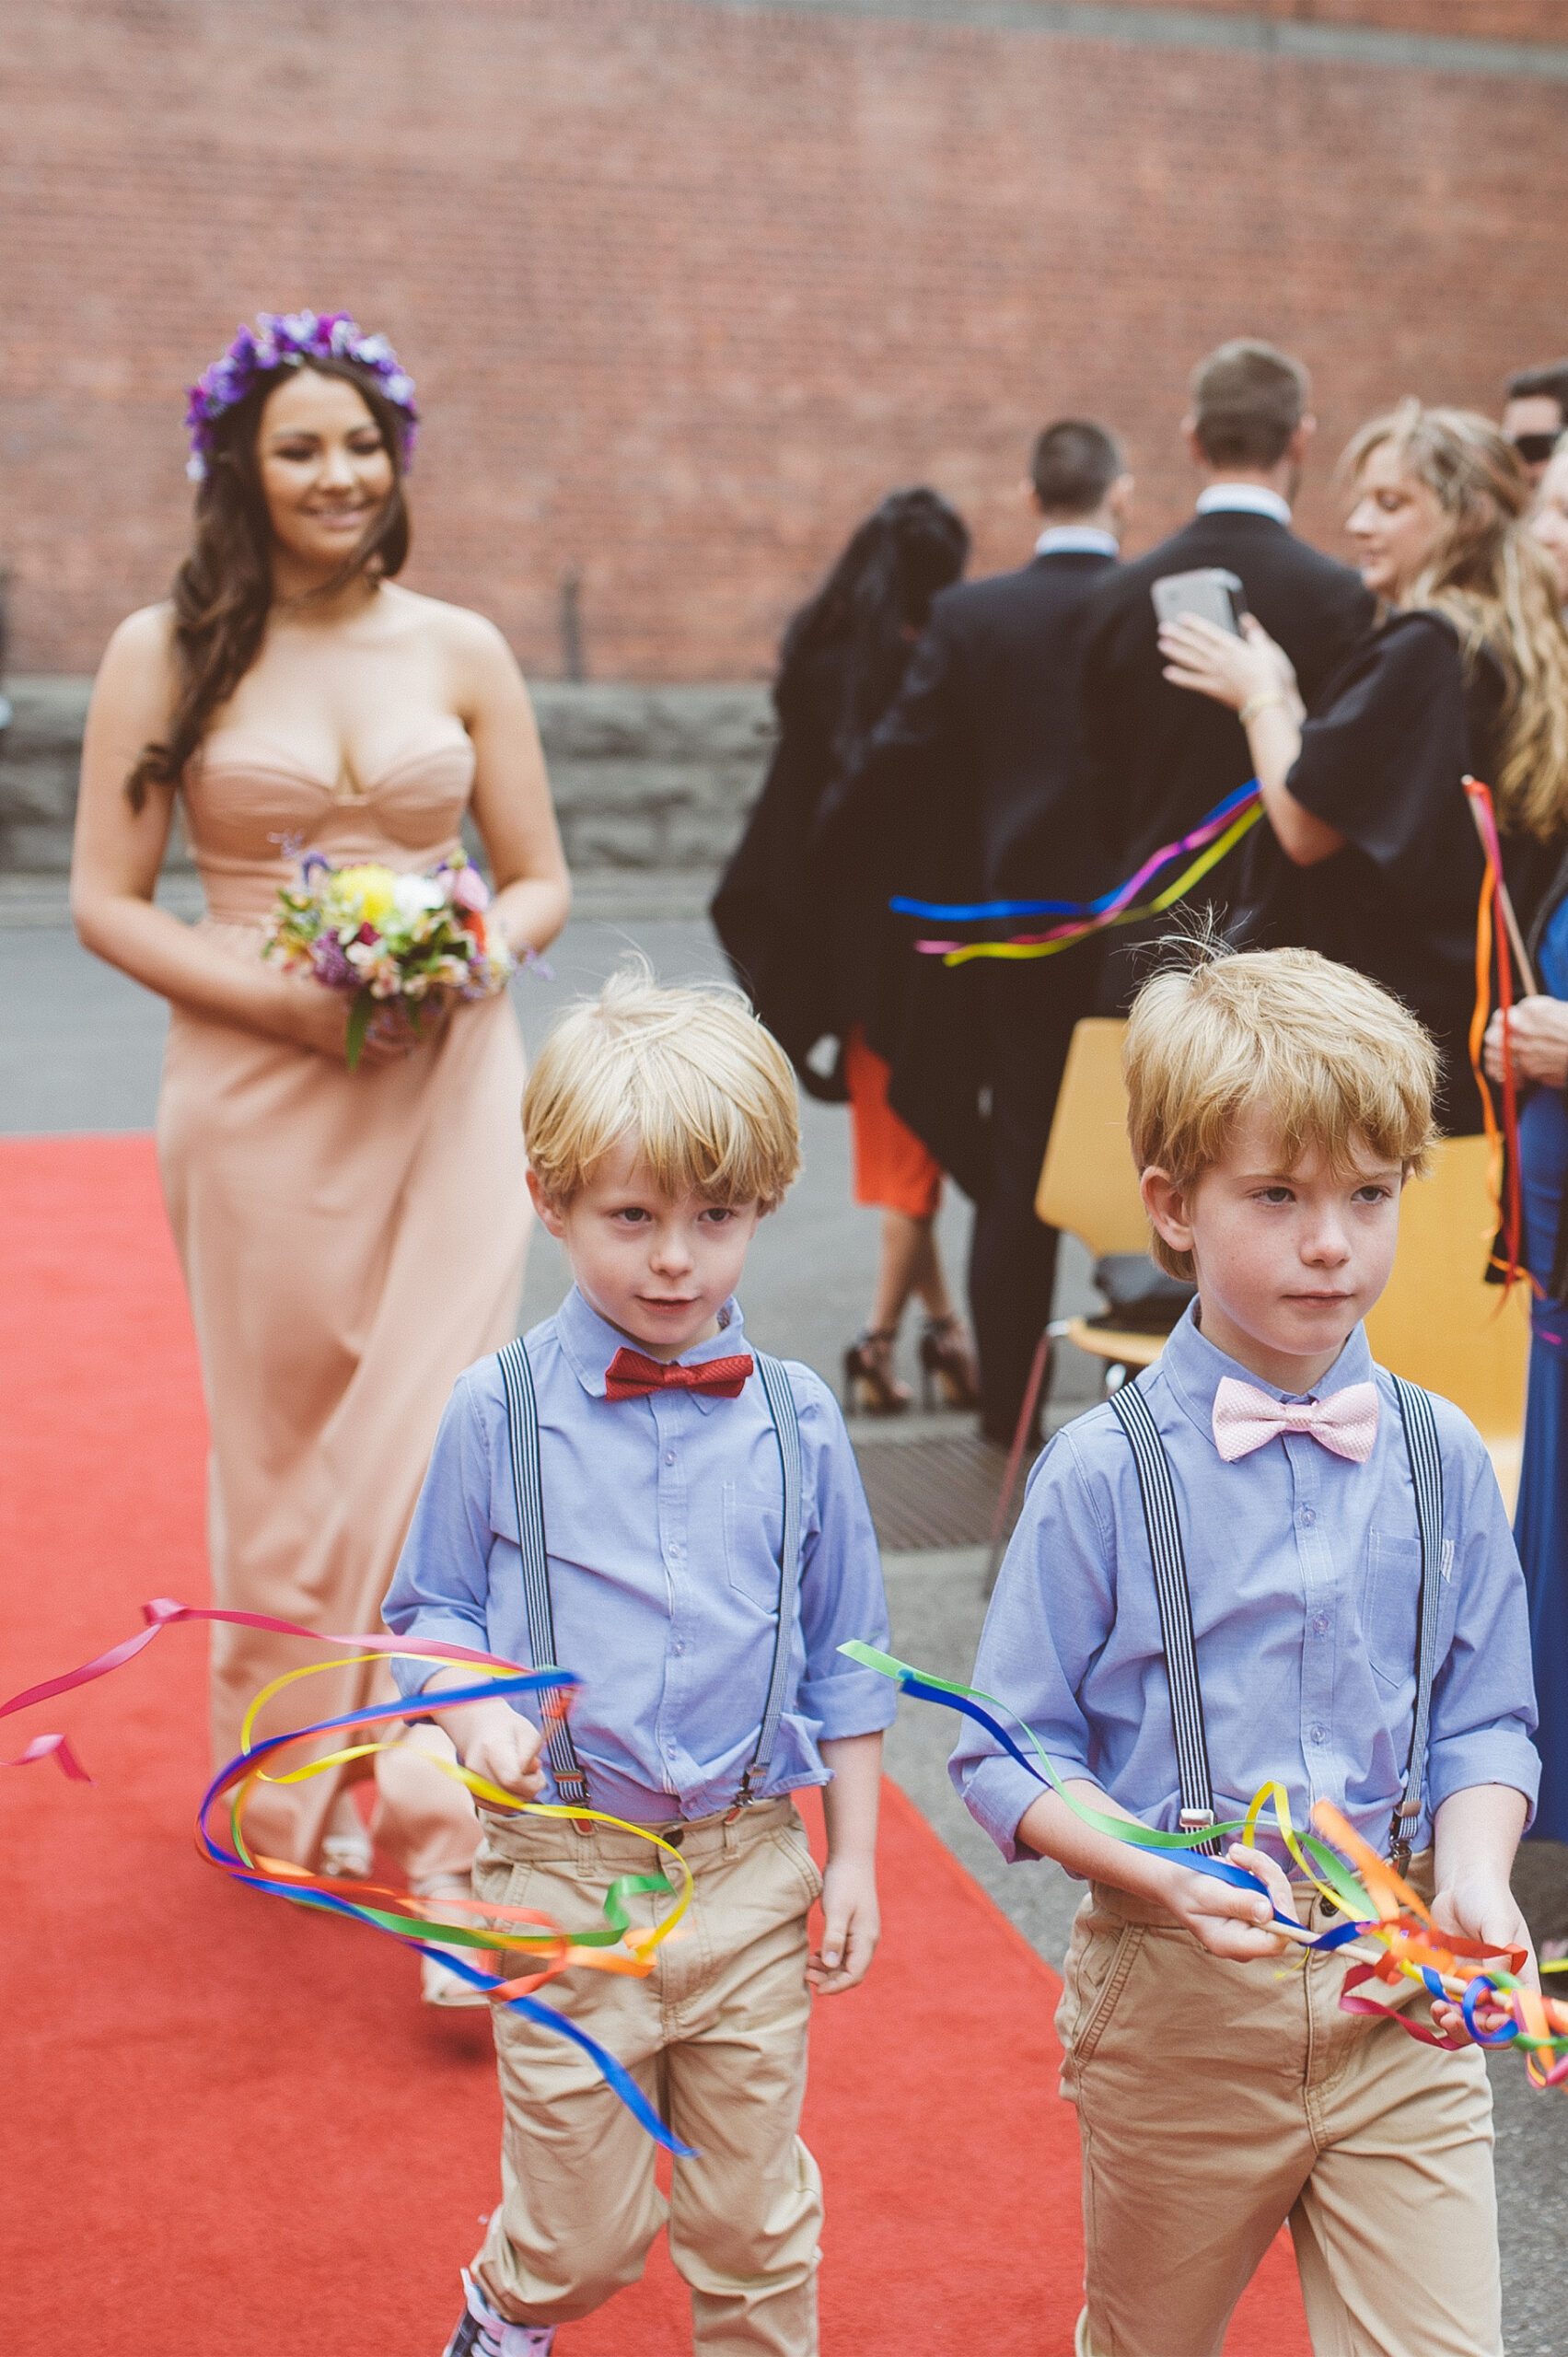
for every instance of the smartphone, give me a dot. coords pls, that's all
(1211, 593)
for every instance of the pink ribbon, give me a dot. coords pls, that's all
(162, 1613)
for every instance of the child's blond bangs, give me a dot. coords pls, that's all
(689, 1075)
(1327, 1058)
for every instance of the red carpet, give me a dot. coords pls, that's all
(231, 2128)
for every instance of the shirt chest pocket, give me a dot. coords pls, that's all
(1390, 1606)
(748, 1544)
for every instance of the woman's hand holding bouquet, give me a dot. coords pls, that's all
(405, 949)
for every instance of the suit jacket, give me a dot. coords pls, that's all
(969, 790)
(1156, 758)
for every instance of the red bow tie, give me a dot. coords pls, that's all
(631, 1375)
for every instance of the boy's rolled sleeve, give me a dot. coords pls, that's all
(439, 1588)
(1483, 1709)
(1051, 1614)
(841, 1583)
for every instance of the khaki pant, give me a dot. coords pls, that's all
(716, 2039)
(1216, 2100)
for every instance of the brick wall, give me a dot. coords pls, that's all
(687, 286)
(1522, 21)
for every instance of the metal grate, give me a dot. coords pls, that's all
(938, 1493)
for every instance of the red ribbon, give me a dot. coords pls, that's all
(1503, 1141)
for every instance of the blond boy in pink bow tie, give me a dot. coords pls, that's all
(1269, 1559)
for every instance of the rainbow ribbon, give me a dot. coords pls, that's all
(1212, 838)
(1497, 2007)
(617, 1946)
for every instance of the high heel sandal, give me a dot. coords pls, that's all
(870, 1384)
(947, 1363)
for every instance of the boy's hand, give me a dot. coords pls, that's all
(852, 1925)
(1228, 1922)
(1478, 1906)
(497, 1743)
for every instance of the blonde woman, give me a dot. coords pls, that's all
(350, 1240)
(1372, 856)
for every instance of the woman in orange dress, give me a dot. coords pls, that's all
(351, 1239)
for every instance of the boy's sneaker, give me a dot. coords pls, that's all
(482, 2333)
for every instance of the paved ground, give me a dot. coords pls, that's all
(79, 1050)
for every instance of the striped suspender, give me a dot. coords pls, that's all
(1426, 1472)
(522, 1428)
(786, 1431)
(1158, 1494)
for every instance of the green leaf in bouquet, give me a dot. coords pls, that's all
(359, 1017)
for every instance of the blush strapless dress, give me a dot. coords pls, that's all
(351, 1241)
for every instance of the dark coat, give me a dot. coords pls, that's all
(969, 790)
(1157, 757)
(1381, 761)
(789, 937)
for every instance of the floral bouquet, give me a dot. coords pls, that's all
(418, 940)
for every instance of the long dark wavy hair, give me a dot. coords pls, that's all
(223, 592)
(873, 603)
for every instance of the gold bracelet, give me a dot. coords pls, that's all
(1260, 702)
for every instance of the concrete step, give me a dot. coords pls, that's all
(648, 781)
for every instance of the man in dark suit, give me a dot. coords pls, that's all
(1157, 759)
(973, 774)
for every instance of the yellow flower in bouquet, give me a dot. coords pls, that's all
(368, 893)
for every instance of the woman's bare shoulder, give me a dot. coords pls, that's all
(458, 628)
(138, 662)
(149, 630)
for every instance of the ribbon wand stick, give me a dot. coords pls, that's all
(1515, 939)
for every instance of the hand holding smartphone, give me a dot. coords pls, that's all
(1211, 593)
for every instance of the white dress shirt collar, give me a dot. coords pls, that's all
(1243, 499)
(589, 1342)
(1077, 540)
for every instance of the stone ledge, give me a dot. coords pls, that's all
(646, 780)
(599, 896)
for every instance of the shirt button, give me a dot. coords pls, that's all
(1319, 1735)
(669, 1457)
(1308, 1515)
(680, 1645)
(1320, 1625)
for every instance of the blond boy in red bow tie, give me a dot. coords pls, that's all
(1268, 1559)
(636, 1495)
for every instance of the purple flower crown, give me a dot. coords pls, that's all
(290, 340)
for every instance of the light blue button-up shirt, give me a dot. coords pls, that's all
(1304, 1571)
(663, 1523)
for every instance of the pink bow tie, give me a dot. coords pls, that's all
(1245, 1418)
(631, 1375)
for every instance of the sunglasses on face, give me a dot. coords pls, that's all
(1534, 450)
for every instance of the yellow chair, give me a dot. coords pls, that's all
(1087, 1184)
(1088, 1188)
(1439, 1324)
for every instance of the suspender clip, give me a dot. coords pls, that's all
(1398, 1846)
(1195, 1821)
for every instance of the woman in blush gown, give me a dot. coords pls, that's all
(351, 1239)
